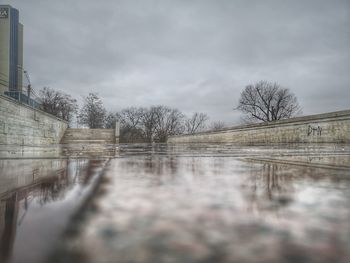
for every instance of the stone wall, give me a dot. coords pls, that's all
(23, 125)
(331, 127)
(88, 136)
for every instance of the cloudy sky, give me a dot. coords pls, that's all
(193, 55)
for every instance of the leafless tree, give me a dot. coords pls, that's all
(110, 120)
(168, 122)
(131, 124)
(216, 126)
(149, 123)
(69, 107)
(196, 123)
(50, 100)
(93, 113)
(58, 103)
(266, 101)
(131, 116)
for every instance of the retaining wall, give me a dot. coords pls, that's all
(331, 127)
(88, 136)
(23, 125)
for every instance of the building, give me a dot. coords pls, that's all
(11, 50)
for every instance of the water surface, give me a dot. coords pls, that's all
(177, 203)
(207, 203)
(37, 199)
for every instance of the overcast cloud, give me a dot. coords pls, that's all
(193, 55)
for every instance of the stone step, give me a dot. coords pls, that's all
(88, 136)
(87, 141)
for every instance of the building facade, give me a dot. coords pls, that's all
(11, 50)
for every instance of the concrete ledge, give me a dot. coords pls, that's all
(331, 127)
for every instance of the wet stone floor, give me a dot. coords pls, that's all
(188, 203)
(38, 197)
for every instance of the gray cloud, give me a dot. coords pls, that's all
(194, 55)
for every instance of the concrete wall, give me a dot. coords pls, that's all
(86, 136)
(27, 151)
(331, 127)
(22, 125)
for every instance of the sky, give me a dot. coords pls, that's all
(195, 55)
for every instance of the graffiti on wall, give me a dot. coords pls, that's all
(314, 131)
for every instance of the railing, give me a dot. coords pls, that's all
(23, 98)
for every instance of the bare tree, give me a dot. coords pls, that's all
(50, 100)
(148, 124)
(58, 103)
(149, 119)
(266, 101)
(131, 116)
(131, 124)
(110, 120)
(68, 107)
(196, 122)
(93, 113)
(168, 122)
(216, 126)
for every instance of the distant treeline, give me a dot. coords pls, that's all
(260, 102)
(137, 124)
(154, 124)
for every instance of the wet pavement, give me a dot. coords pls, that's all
(206, 203)
(38, 197)
(183, 203)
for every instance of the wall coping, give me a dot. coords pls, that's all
(271, 124)
(86, 129)
(28, 107)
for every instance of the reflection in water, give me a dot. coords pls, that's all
(218, 209)
(271, 184)
(36, 199)
(181, 203)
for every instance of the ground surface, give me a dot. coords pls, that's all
(37, 199)
(222, 203)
